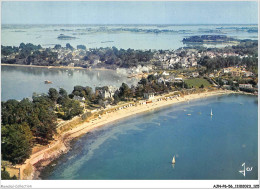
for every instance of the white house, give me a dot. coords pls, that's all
(108, 93)
(178, 79)
(194, 63)
(165, 65)
(211, 75)
(71, 65)
(195, 74)
(165, 73)
(79, 98)
(148, 96)
(247, 86)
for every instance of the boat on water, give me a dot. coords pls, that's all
(188, 114)
(173, 160)
(211, 112)
(47, 82)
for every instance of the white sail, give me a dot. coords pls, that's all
(173, 160)
(211, 113)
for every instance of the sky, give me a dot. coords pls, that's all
(109, 12)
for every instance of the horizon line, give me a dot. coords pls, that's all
(129, 24)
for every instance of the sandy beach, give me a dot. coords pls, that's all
(61, 143)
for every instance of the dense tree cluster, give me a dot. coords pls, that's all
(68, 108)
(151, 84)
(28, 122)
(8, 50)
(68, 46)
(29, 47)
(6, 176)
(81, 91)
(119, 58)
(17, 142)
(220, 62)
(245, 47)
(81, 47)
(108, 57)
(29, 54)
(57, 46)
(38, 114)
(42, 58)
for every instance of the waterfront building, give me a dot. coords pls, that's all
(246, 86)
(149, 96)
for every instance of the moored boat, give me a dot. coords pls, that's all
(47, 82)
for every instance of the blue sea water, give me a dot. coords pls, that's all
(141, 147)
(47, 35)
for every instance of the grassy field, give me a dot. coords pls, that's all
(197, 82)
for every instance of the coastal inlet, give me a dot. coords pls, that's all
(27, 80)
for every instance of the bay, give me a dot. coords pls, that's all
(20, 82)
(141, 147)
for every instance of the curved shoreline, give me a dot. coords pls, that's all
(61, 144)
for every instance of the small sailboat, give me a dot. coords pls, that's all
(211, 114)
(98, 74)
(173, 160)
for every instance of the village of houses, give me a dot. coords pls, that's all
(169, 66)
(165, 70)
(168, 60)
(150, 97)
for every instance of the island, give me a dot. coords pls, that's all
(62, 36)
(209, 39)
